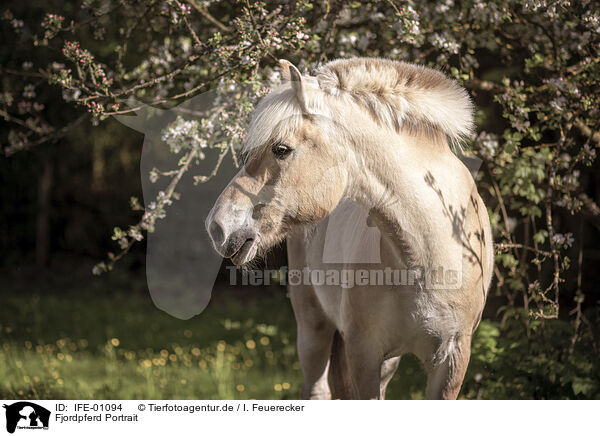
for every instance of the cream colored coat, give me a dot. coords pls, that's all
(366, 137)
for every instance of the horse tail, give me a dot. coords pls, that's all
(339, 376)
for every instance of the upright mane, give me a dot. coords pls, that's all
(397, 95)
(400, 95)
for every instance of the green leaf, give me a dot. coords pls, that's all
(540, 236)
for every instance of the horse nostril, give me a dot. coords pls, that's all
(216, 233)
(256, 210)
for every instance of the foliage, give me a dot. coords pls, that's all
(532, 68)
(506, 364)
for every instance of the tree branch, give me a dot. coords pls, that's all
(209, 16)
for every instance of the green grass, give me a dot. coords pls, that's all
(98, 344)
(116, 346)
(94, 345)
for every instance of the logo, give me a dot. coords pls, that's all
(26, 415)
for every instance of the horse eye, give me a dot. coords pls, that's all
(280, 150)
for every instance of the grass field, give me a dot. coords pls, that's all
(102, 345)
(99, 341)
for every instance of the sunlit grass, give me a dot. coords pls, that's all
(94, 344)
(123, 347)
(66, 369)
(113, 346)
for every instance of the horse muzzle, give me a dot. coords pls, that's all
(240, 245)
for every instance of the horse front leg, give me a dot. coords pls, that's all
(444, 379)
(365, 367)
(315, 330)
(315, 337)
(388, 369)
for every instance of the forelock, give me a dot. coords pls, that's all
(277, 116)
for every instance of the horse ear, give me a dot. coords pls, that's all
(291, 74)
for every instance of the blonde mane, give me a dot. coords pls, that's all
(397, 95)
(275, 117)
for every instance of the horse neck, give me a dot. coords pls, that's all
(390, 181)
